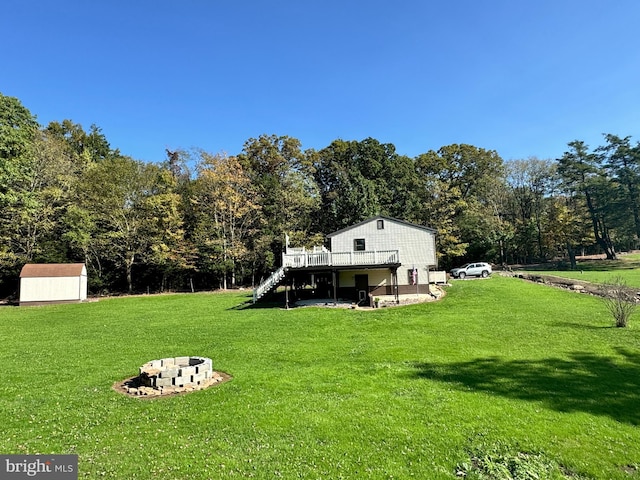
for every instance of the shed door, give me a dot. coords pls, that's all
(362, 288)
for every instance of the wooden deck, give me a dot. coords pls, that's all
(340, 259)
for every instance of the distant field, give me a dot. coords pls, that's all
(631, 277)
(500, 369)
(626, 267)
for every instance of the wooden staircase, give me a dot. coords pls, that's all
(269, 284)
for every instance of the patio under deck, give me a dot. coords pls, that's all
(330, 262)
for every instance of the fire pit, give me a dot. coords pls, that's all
(173, 375)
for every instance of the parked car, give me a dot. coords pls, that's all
(478, 269)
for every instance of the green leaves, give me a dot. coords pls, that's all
(226, 213)
(606, 187)
(357, 180)
(17, 127)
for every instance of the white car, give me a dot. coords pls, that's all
(478, 269)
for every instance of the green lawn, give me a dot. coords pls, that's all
(498, 367)
(626, 267)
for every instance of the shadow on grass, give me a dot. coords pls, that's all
(584, 326)
(607, 266)
(249, 305)
(584, 382)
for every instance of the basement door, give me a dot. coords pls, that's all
(362, 289)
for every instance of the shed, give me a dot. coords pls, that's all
(46, 283)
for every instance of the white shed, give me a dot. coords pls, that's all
(45, 283)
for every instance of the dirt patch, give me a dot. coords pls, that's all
(630, 469)
(134, 387)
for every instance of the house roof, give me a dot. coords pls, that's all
(31, 270)
(382, 217)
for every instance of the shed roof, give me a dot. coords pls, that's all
(53, 270)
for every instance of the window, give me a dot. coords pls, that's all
(358, 245)
(380, 224)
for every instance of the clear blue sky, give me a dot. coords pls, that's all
(521, 78)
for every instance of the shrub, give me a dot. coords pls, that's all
(620, 300)
(501, 461)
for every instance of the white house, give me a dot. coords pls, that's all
(379, 256)
(406, 252)
(46, 283)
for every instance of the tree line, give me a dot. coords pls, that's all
(201, 220)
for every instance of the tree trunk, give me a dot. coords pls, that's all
(608, 241)
(572, 256)
(633, 195)
(600, 230)
(130, 274)
(539, 239)
(233, 275)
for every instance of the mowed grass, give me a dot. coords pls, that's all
(626, 267)
(326, 393)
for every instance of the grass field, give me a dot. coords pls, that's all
(627, 267)
(499, 372)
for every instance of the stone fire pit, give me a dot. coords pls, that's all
(173, 375)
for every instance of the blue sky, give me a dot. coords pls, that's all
(521, 78)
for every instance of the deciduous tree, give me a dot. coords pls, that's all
(227, 212)
(458, 185)
(359, 179)
(285, 190)
(122, 197)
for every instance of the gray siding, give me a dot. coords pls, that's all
(416, 245)
(377, 278)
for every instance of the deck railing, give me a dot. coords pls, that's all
(340, 259)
